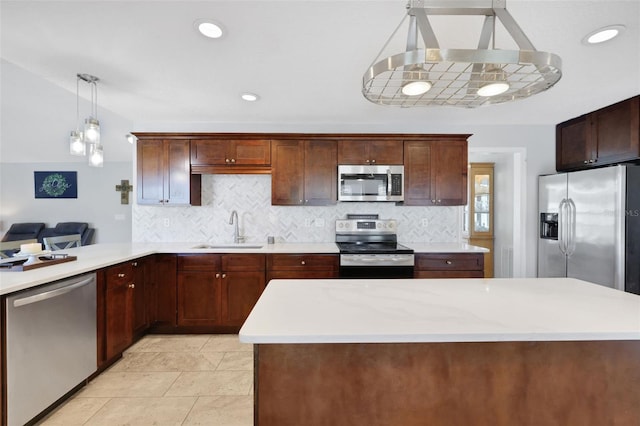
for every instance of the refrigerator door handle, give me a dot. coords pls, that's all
(562, 227)
(571, 245)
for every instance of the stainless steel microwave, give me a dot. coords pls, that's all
(370, 183)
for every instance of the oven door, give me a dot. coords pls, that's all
(376, 265)
(370, 183)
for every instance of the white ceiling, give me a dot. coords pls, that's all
(304, 58)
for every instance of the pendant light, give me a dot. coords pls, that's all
(87, 141)
(427, 75)
(76, 140)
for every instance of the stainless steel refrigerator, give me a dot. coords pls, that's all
(589, 226)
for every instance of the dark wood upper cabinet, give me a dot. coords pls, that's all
(370, 152)
(164, 173)
(607, 136)
(230, 155)
(436, 172)
(304, 172)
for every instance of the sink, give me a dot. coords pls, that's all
(226, 246)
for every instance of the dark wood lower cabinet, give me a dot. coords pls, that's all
(218, 290)
(161, 292)
(449, 265)
(118, 309)
(301, 266)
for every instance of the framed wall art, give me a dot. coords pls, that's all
(56, 184)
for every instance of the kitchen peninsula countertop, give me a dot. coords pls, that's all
(98, 256)
(441, 310)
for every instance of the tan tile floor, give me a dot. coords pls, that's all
(169, 380)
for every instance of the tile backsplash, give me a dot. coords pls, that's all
(250, 196)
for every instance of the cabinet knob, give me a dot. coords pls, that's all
(586, 161)
(373, 161)
(592, 161)
(233, 160)
(226, 160)
(300, 201)
(439, 201)
(217, 275)
(448, 262)
(367, 161)
(303, 263)
(433, 201)
(121, 275)
(132, 285)
(224, 275)
(134, 263)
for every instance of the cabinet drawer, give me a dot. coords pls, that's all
(448, 274)
(303, 262)
(199, 262)
(449, 262)
(243, 262)
(119, 275)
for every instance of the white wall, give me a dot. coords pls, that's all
(35, 120)
(25, 147)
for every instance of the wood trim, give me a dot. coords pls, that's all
(298, 136)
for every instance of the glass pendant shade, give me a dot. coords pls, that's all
(92, 130)
(96, 155)
(76, 144)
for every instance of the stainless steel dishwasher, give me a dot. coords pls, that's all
(51, 344)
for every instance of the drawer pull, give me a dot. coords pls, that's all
(121, 275)
(303, 263)
(448, 262)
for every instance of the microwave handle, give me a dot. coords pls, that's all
(389, 182)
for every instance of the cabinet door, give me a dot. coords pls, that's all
(449, 172)
(240, 292)
(208, 152)
(118, 309)
(254, 152)
(177, 183)
(615, 130)
(162, 300)
(386, 152)
(139, 315)
(198, 297)
(573, 144)
(320, 172)
(353, 152)
(417, 173)
(287, 173)
(150, 173)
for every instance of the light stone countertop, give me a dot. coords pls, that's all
(441, 310)
(98, 256)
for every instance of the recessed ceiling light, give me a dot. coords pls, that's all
(250, 97)
(603, 34)
(208, 28)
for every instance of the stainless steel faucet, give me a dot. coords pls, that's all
(236, 232)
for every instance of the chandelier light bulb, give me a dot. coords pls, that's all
(92, 130)
(493, 89)
(416, 88)
(76, 144)
(96, 155)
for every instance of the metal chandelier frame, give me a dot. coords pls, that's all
(454, 76)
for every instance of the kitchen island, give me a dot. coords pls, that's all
(445, 352)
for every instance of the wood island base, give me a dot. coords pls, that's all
(447, 384)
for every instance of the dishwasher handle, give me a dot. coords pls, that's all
(51, 294)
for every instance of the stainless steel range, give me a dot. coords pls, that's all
(369, 248)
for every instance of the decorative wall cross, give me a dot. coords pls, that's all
(124, 188)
